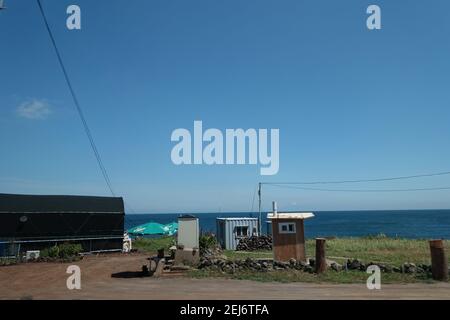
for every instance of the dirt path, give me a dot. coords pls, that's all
(48, 281)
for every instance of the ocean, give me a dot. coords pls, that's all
(413, 224)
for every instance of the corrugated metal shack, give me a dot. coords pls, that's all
(231, 230)
(31, 222)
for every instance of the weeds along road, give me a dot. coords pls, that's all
(48, 281)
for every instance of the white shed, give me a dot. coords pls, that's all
(188, 231)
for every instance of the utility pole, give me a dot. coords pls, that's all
(259, 205)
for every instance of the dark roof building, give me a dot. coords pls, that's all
(95, 222)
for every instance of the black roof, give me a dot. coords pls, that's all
(15, 203)
(187, 216)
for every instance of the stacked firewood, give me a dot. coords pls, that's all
(255, 243)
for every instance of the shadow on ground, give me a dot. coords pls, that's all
(128, 274)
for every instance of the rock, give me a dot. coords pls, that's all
(336, 266)
(179, 267)
(353, 265)
(300, 265)
(308, 268)
(425, 267)
(281, 264)
(386, 268)
(409, 268)
(145, 271)
(397, 269)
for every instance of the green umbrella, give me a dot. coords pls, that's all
(171, 228)
(154, 228)
(147, 229)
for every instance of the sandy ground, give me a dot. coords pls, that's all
(48, 281)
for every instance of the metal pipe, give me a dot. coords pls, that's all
(274, 209)
(259, 205)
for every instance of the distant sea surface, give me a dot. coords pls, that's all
(414, 224)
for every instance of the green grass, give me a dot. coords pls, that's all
(7, 261)
(378, 249)
(286, 276)
(235, 255)
(369, 249)
(153, 245)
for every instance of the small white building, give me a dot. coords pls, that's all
(231, 230)
(188, 232)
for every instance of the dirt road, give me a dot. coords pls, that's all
(48, 281)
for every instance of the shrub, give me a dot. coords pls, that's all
(68, 250)
(207, 242)
(62, 251)
(51, 252)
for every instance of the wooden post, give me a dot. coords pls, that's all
(439, 266)
(321, 262)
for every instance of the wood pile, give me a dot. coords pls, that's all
(255, 243)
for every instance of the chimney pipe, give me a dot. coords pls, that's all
(274, 209)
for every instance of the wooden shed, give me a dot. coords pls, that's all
(289, 235)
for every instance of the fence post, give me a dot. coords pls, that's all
(439, 265)
(321, 262)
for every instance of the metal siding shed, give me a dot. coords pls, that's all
(227, 227)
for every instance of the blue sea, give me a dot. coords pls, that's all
(414, 224)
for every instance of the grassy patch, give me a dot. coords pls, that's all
(154, 244)
(7, 261)
(234, 255)
(330, 276)
(376, 249)
(370, 249)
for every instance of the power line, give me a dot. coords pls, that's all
(361, 180)
(360, 190)
(77, 105)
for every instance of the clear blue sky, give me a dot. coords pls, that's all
(350, 103)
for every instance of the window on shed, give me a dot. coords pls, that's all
(242, 231)
(286, 227)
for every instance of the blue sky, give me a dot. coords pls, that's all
(350, 103)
